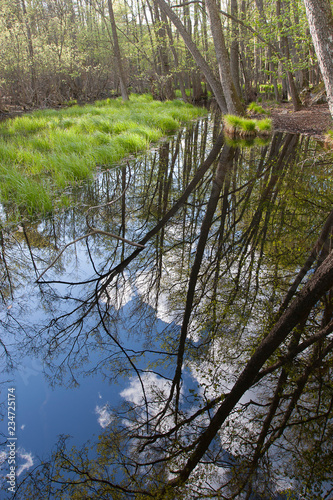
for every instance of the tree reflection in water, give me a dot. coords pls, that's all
(233, 397)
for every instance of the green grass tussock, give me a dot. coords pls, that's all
(28, 124)
(255, 109)
(45, 151)
(237, 125)
(245, 127)
(33, 196)
(264, 126)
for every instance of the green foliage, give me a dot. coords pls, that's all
(188, 92)
(266, 89)
(269, 89)
(71, 102)
(52, 149)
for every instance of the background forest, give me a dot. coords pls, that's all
(56, 51)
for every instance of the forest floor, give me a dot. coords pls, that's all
(313, 120)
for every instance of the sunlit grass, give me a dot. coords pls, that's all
(255, 109)
(108, 154)
(27, 124)
(45, 151)
(245, 127)
(264, 126)
(237, 125)
(65, 167)
(33, 196)
(248, 126)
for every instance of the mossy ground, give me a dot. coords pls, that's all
(43, 152)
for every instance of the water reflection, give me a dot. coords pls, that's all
(179, 321)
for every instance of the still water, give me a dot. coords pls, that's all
(132, 314)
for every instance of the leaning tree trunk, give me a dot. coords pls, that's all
(196, 54)
(320, 18)
(234, 104)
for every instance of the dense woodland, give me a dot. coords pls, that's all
(56, 51)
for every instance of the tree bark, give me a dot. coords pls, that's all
(234, 104)
(178, 73)
(320, 18)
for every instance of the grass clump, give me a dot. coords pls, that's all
(33, 196)
(237, 126)
(45, 151)
(255, 109)
(248, 126)
(264, 126)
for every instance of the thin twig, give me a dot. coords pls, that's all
(99, 231)
(61, 252)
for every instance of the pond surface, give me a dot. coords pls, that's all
(135, 311)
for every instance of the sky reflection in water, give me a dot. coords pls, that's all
(254, 243)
